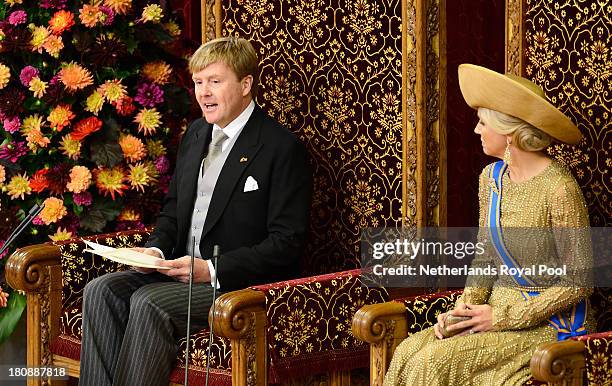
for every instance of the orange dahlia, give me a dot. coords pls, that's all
(60, 117)
(159, 72)
(80, 178)
(120, 7)
(39, 181)
(2, 174)
(90, 15)
(75, 77)
(84, 127)
(133, 149)
(61, 21)
(128, 214)
(110, 181)
(5, 75)
(53, 45)
(53, 210)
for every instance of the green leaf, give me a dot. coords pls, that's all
(106, 153)
(9, 316)
(93, 221)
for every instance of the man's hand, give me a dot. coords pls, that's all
(3, 298)
(180, 269)
(146, 251)
(481, 318)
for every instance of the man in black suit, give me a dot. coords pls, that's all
(241, 181)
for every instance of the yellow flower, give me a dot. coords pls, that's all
(60, 117)
(80, 178)
(13, 2)
(120, 7)
(19, 186)
(173, 29)
(70, 147)
(113, 90)
(159, 72)
(2, 174)
(133, 149)
(156, 148)
(38, 87)
(53, 45)
(75, 77)
(94, 103)
(110, 181)
(61, 235)
(139, 176)
(5, 75)
(128, 215)
(148, 121)
(39, 37)
(152, 12)
(53, 210)
(2, 36)
(32, 122)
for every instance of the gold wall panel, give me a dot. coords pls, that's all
(342, 75)
(568, 52)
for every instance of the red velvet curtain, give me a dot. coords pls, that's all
(475, 34)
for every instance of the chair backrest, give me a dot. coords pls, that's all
(78, 271)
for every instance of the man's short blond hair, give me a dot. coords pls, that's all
(237, 53)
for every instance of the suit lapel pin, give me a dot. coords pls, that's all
(243, 159)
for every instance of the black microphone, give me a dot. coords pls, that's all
(33, 212)
(216, 254)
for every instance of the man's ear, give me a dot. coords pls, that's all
(247, 83)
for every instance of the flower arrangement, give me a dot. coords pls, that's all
(92, 100)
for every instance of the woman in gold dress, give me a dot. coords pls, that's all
(510, 317)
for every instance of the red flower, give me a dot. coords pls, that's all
(39, 181)
(85, 127)
(124, 106)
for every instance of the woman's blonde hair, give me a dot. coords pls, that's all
(237, 53)
(524, 135)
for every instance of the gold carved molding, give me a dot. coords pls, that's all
(211, 19)
(514, 36)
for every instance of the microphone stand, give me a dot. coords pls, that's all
(33, 212)
(216, 253)
(189, 310)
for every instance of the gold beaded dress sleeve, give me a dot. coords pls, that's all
(551, 200)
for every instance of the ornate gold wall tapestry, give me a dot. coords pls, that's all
(567, 50)
(331, 71)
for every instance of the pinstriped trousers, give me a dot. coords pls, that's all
(131, 323)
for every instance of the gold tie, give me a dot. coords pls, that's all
(214, 149)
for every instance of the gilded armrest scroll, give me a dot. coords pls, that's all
(559, 362)
(384, 326)
(241, 317)
(26, 268)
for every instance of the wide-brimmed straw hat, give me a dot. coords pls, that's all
(516, 96)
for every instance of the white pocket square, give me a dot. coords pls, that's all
(250, 184)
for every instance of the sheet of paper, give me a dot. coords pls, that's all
(124, 256)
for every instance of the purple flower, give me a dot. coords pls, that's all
(13, 151)
(162, 164)
(129, 225)
(11, 125)
(57, 4)
(82, 199)
(27, 74)
(109, 15)
(18, 17)
(163, 183)
(149, 95)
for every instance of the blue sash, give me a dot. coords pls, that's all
(568, 323)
